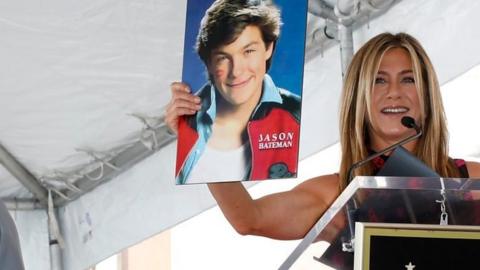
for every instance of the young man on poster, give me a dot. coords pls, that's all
(242, 127)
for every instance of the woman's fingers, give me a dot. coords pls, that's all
(182, 102)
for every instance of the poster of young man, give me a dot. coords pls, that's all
(244, 60)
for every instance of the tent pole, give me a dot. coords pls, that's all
(55, 254)
(55, 239)
(22, 204)
(346, 46)
(321, 9)
(22, 174)
(347, 15)
(123, 160)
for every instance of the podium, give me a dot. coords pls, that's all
(420, 209)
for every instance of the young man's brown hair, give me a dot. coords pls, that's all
(225, 20)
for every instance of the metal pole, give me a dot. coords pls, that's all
(22, 204)
(23, 175)
(54, 238)
(55, 252)
(346, 46)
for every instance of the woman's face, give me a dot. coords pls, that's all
(394, 96)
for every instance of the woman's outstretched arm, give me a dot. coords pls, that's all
(283, 215)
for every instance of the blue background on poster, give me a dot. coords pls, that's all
(288, 60)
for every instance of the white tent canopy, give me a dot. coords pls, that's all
(83, 86)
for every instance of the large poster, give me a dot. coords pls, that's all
(244, 59)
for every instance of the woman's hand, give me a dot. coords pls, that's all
(183, 102)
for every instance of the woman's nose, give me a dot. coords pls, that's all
(393, 90)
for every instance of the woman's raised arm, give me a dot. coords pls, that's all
(284, 215)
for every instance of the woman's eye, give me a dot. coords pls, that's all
(408, 80)
(249, 51)
(380, 80)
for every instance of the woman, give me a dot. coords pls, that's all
(390, 77)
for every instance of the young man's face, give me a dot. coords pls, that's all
(238, 68)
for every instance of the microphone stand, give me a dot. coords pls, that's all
(390, 148)
(351, 206)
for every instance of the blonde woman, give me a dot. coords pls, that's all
(390, 77)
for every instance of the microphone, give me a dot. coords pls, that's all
(408, 122)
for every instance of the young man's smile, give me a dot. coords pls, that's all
(239, 83)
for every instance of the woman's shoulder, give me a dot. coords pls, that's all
(473, 169)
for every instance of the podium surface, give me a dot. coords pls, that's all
(410, 200)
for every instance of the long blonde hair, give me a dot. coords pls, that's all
(432, 147)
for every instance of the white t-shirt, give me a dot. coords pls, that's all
(221, 166)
